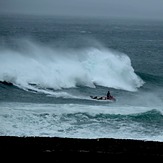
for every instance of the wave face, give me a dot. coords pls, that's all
(49, 68)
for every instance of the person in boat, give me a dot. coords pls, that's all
(109, 96)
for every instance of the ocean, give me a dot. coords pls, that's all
(50, 66)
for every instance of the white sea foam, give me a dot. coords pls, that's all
(73, 120)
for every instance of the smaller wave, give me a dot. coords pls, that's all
(152, 116)
(141, 122)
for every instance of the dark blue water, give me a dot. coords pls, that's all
(50, 66)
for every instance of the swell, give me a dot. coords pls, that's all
(151, 78)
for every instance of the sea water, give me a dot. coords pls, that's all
(50, 66)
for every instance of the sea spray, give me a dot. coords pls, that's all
(47, 67)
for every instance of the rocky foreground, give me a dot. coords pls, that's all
(76, 150)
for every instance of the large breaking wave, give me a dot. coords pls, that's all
(32, 64)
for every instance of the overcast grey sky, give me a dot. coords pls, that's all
(107, 8)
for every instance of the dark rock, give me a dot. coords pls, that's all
(82, 149)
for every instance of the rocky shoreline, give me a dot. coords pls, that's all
(94, 149)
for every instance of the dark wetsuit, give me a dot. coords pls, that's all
(108, 94)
